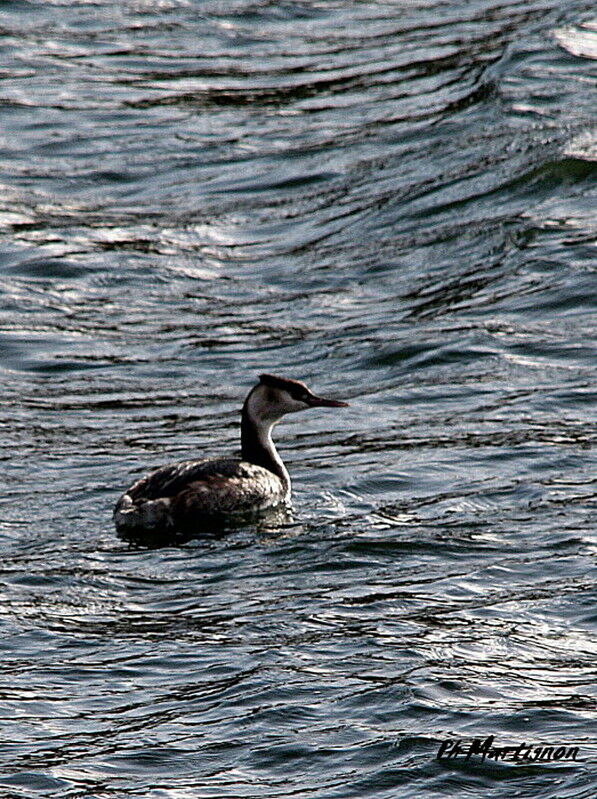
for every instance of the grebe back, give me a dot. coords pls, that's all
(180, 494)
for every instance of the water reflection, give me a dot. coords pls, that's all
(395, 202)
(265, 525)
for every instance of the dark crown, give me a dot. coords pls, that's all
(293, 387)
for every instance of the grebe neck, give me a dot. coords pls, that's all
(257, 445)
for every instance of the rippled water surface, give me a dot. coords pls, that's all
(395, 202)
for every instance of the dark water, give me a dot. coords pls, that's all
(394, 202)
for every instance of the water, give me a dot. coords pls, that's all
(394, 202)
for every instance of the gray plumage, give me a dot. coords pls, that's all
(176, 495)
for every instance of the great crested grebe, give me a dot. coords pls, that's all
(178, 495)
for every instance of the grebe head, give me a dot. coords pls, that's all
(273, 397)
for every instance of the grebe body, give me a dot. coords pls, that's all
(181, 494)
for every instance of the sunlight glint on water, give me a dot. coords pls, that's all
(394, 203)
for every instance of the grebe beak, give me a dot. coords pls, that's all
(320, 402)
